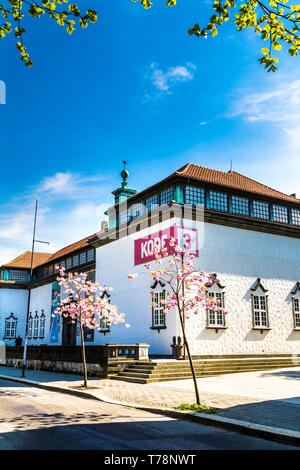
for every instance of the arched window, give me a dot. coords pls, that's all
(42, 325)
(29, 327)
(36, 326)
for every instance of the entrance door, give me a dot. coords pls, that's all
(68, 333)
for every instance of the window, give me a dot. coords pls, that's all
(29, 327)
(10, 327)
(36, 325)
(152, 203)
(90, 255)
(82, 257)
(295, 213)
(42, 325)
(216, 318)
(296, 311)
(280, 213)
(217, 201)
(240, 205)
(75, 260)
(260, 311)
(166, 196)
(15, 275)
(104, 325)
(158, 316)
(136, 210)
(62, 264)
(50, 270)
(260, 209)
(68, 263)
(194, 195)
(123, 217)
(88, 334)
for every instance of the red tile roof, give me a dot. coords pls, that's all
(232, 179)
(70, 248)
(24, 260)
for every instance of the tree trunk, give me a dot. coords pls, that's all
(85, 384)
(190, 359)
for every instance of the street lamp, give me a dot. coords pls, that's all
(34, 241)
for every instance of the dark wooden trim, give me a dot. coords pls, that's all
(49, 280)
(210, 216)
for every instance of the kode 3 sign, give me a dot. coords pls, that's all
(186, 238)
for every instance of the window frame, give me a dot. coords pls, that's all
(36, 323)
(260, 310)
(159, 310)
(296, 312)
(9, 321)
(216, 326)
(42, 325)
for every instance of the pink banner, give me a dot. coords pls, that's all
(186, 239)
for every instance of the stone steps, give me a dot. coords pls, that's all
(149, 372)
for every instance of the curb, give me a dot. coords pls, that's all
(285, 436)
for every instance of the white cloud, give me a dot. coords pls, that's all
(164, 80)
(279, 107)
(68, 211)
(69, 185)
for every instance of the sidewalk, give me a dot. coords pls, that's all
(264, 400)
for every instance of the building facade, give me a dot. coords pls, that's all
(244, 232)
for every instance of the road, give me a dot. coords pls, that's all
(36, 419)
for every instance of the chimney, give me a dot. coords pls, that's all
(104, 226)
(293, 195)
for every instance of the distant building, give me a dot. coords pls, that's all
(241, 230)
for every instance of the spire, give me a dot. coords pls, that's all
(124, 174)
(124, 192)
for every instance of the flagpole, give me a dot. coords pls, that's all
(29, 289)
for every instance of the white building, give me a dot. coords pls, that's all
(243, 231)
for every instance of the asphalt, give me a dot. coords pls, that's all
(38, 419)
(277, 420)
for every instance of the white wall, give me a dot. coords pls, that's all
(238, 256)
(13, 301)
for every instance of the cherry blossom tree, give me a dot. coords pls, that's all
(186, 289)
(83, 301)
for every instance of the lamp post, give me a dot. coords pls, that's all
(29, 289)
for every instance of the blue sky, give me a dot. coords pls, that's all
(134, 86)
